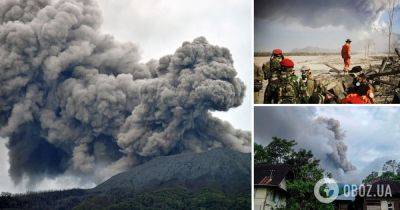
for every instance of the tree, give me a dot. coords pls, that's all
(373, 175)
(305, 166)
(392, 13)
(260, 155)
(369, 44)
(390, 171)
(306, 171)
(391, 166)
(279, 150)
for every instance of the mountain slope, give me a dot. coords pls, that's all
(315, 50)
(217, 179)
(221, 168)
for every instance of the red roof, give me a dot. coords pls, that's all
(270, 175)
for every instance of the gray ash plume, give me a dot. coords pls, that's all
(339, 148)
(74, 100)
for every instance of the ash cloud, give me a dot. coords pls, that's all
(315, 13)
(323, 136)
(76, 101)
(339, 148)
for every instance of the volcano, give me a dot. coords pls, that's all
(217, 179)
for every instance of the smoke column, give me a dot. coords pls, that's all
(339, 148)
(76, 101)
(311, 131)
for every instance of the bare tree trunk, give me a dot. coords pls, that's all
(392, 11)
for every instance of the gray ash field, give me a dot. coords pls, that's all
(327, 75)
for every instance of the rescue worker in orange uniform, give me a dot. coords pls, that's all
(346, 51)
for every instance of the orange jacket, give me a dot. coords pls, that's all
(346, 50)
(357, 99)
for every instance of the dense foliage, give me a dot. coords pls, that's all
(167, 198)
(172, 198)
(63, 199)
(306, 171)
(390, 171)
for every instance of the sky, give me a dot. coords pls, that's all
(324, 24)
(371, 134)
(159, 27)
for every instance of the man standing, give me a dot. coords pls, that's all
(288, 89)
(346, 50)
(273, 66)
(258, 82)
(271, 73)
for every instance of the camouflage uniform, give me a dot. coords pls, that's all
(258, 78)
(317, 97)
(271, 68)
(307, 87)
(289, 88)
(271, 73)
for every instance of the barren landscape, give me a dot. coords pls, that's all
(317, 63)
(321, 71)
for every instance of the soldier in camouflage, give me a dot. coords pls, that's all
(271, 73)
(318, 96)
(258, 82)
(308, 85)
(288, 88)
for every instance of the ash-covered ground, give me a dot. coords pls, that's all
(325, 74)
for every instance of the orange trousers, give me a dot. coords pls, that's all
(346, 63)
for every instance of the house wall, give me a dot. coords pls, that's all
(268, 199)
(381, 204)
(341, 206)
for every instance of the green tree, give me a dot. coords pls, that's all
(373, 175)
(391, 166)
(260, 155)
(277, 152)
(305, 167)
(390, 171)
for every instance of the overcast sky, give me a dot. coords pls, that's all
(159, 27)
(372, 134)
(326, 24)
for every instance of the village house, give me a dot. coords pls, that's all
(270, 190)
(378, 198)
(344, 203)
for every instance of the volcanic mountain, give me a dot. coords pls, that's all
(217, 179)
